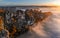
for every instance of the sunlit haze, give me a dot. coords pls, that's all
(30, 2)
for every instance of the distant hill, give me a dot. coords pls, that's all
(29, 6)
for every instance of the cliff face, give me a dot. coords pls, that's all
(21, 21)
(37, 29)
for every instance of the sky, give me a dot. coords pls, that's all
(28, 2)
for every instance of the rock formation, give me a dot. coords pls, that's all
(20, 21)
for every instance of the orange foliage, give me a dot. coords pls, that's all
(1, 23)
(2, 11)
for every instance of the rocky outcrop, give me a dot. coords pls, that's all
(20, 21)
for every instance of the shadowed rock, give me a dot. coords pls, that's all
(21, 22)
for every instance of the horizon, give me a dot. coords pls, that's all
(34, 5)
(29, 2)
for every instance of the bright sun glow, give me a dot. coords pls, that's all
(57, 2)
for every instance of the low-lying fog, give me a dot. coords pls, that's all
(49, 28)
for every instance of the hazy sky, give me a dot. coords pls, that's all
(26, 2)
